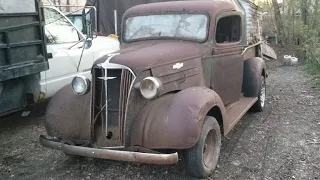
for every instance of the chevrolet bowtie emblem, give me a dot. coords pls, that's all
(107, 78)
(177, 66)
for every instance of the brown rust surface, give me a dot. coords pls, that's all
(152, 54)
(226, 73)
(174, 121)
(68, 115)
(173, 79)
(208, 6)
(236, 111)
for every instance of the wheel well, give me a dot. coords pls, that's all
(264, 72)
(216, 113)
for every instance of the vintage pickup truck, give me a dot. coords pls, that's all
(184, 76)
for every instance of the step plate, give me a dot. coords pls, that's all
(237, 110)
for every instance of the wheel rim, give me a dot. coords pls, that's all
(209, 148)
(263, 93)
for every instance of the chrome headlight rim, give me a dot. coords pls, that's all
(86, 82)
(158, 87)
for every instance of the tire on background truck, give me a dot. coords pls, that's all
(201, 160)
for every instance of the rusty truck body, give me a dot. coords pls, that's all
(184, 76)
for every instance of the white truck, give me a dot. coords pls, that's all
(63, 41)
(41, 51)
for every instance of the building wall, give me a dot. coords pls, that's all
(64, 2)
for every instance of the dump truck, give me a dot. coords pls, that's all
(23, 53)
(184, 76)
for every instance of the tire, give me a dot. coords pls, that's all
(201, 160)
(260, 104)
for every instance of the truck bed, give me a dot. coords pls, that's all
(22, 44)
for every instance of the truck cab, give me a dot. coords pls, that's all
(71, 55)
(183, 77)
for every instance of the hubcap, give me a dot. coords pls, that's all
(263, 94)
(209, 148)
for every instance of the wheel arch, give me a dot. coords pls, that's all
(174, 121)
(215, 112)
(253, 69)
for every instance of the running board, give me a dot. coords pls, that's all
(237, 110)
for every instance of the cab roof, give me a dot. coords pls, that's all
(212, 7)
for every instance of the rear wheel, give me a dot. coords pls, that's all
(260, 104)
(201, 160)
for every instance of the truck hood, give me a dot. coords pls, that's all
(149, 55)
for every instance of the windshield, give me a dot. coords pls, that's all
(58, 29)
(181, 26)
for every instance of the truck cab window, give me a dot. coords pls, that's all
(58, 29)
(228, 29)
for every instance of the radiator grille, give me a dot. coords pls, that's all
(111, 114)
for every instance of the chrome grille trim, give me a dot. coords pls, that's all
(125, 92)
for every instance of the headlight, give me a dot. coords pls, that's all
(150, 87)
(81, 85)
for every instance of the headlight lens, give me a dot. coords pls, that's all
(150, 87)
(81, 85)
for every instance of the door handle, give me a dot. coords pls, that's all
(49, 55)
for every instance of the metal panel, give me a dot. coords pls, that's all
(22, 42)
(17, 6)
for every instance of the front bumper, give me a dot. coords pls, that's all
(150, 158)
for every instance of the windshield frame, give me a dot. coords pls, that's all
(63, 16)
(166, 37)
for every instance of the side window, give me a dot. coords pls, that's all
(58, 29)
(77, 21)
(228, 29)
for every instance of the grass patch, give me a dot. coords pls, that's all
(313, 68)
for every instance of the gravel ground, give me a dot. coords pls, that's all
(283, 142)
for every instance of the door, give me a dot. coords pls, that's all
(63, 42)
(227, 66)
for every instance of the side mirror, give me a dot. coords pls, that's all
(88, 44)
(84, 22)
(87, 23)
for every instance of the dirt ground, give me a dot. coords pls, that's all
(283, 142)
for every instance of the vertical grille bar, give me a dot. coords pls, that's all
(111, 90)
(126, 81)
(122, 103)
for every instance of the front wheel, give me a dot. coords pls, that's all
(201, 160)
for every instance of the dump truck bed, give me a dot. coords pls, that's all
(22, 44)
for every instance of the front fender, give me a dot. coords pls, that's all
(68, 115)
(174, 121)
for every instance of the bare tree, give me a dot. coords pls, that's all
(68, 4)
(304, 11)
(278, 19)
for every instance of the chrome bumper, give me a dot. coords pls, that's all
(149, 158)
